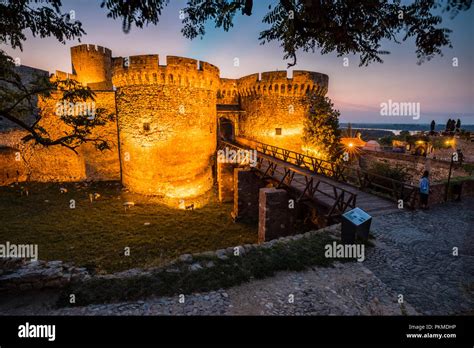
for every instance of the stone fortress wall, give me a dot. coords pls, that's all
(165, 121)
(21, 161)
(228, 93)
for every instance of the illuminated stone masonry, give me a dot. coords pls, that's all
(167, 120)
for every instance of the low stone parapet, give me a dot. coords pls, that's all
(19, 275)
(438, 191)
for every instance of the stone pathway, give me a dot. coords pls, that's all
(346, 289)
(414, 257)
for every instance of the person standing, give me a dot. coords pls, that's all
(424, 190)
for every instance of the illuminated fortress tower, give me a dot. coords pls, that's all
(167, 115)
(92, 66)
(167, 122)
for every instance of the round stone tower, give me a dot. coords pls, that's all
(167, 124)
(92, 66)
(276, 106)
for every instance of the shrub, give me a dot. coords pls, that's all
(387, 170)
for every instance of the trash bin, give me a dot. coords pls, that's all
(355, 222)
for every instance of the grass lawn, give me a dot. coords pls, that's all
(96, 234)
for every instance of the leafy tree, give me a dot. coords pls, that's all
(18, 99)
(340, 26)
(387, 140)
(321, 129)
(397, 172)
(453, 125)
(432, 126)
(458, 125)
(448, 125)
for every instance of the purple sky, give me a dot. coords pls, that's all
(442, 90)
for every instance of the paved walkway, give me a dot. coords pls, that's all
(414, 257)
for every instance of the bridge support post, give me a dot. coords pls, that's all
(225, 181)
(275, 217)
(246, 186)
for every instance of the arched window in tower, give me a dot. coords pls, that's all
(146, 126)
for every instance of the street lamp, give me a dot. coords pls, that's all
(454, 156)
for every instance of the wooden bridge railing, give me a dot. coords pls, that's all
(360, 178)
(302, 185)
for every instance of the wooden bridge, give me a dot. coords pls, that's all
(333, 187)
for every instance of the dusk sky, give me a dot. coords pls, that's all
(442, 90)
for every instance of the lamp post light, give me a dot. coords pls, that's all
(454, 157)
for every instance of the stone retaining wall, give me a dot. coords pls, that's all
(415, 165)
(17, 274)
(438, 192)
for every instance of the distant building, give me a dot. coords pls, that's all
(372, 145)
